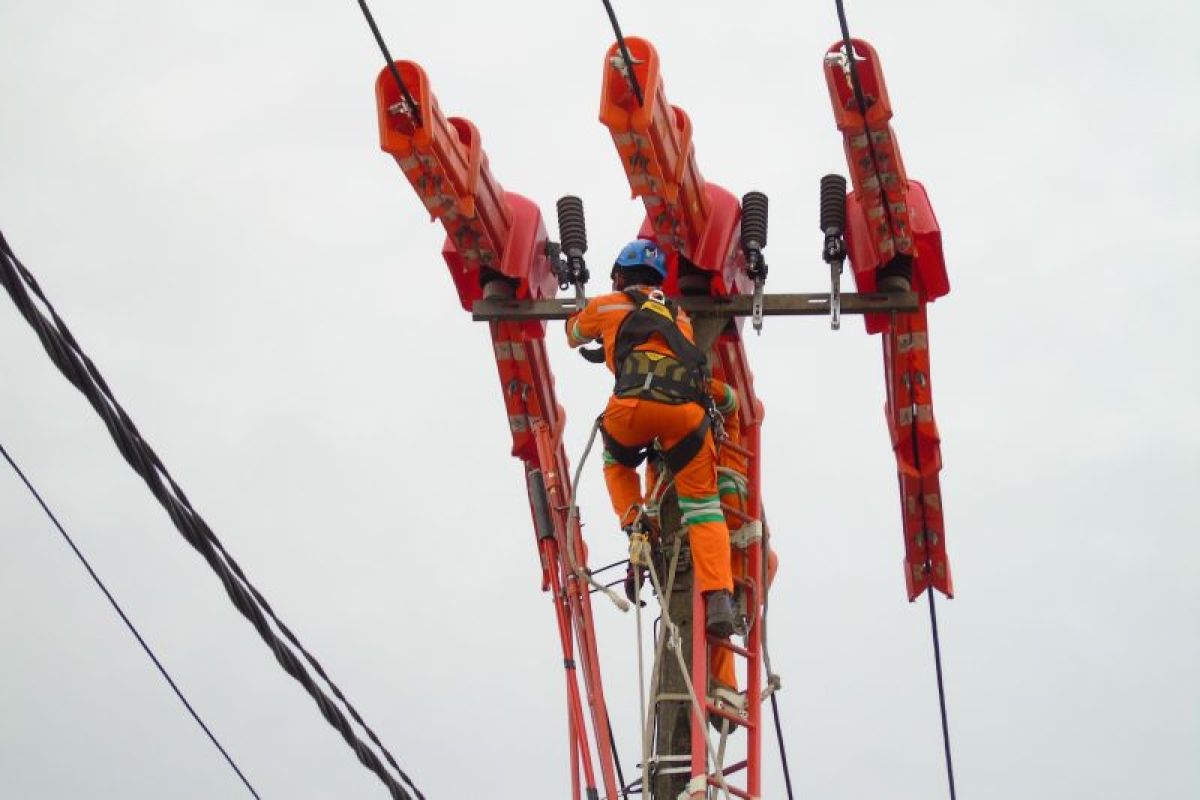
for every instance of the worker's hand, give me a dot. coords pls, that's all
(635, 576)
(639, 547)
(593, 354)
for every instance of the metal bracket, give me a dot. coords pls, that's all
(796, 305)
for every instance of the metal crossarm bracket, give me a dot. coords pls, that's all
(808, 305)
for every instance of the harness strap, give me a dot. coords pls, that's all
(686, 448)
(623, 454)
(675, 458)
(679, 378)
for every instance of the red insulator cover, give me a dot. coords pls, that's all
(444, 160)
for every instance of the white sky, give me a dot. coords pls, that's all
(199, 189)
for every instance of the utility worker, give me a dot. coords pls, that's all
(660, 395)
(734, 493)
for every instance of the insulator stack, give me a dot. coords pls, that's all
(754, 221)
(833, 205)
(571, 227)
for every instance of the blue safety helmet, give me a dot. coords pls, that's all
(642, 253)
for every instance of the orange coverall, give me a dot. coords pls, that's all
(731, 484)
(634, 422)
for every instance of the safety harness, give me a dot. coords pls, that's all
(655, 376)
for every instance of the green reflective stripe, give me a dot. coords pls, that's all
(726, 478)
(607, 458)
(727, 487)
(576, 334)
(696, 502)
(695, 510)
(729, 402)
(697, 517)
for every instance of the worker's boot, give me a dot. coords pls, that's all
(719, 614)
(729, 700)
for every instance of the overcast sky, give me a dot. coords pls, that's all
(199, 189)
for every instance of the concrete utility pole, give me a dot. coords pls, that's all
(673, 712)
(672, 703)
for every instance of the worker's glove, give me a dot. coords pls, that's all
(639, 546)
(593, 354)
(635, 578)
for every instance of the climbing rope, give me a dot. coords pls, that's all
(572, 513)
(79, 369)
(128, 622)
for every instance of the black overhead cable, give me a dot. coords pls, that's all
(408, 98)
(787, 772)
(128, 623)
(937, 660)
(633, 81)
(937, 643)
(937, 647)
(861, 101)
(75, 365)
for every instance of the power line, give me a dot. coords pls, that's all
(75, 365)
(937, 660)
(861, 101)
(616, 26)
(408, 98)
(128, 623)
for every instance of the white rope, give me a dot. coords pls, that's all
(572, 513)
(773, 681)
(674, 641)
(656, 670)
(641, 662)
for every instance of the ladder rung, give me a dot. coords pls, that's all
(737, 512)
(674, 771)
(684, 757)
(728, 715)
(728, 645)
(668, 697)
(733, 790)
(741, 451)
